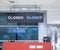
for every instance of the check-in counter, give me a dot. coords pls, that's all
(26, 46)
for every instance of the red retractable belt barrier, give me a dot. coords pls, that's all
(26, 46)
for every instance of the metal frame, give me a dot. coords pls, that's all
(26, 7)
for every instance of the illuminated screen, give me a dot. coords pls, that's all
(15, 18)
(19, 33)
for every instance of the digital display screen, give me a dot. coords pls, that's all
(19, 33)
(25, 17)
(21, 18)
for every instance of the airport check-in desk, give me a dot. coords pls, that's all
(26, 46)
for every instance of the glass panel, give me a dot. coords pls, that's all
(19, 33)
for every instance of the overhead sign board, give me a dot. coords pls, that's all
(25, 17)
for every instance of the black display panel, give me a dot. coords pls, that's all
(19, 33)
(21, 18)
(25, 17)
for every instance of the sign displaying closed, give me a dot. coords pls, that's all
(25, 17)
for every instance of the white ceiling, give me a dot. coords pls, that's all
(52, 7)
(45, 3)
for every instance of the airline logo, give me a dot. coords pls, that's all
(36, 47)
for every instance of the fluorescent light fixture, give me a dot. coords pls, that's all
(11, 1)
